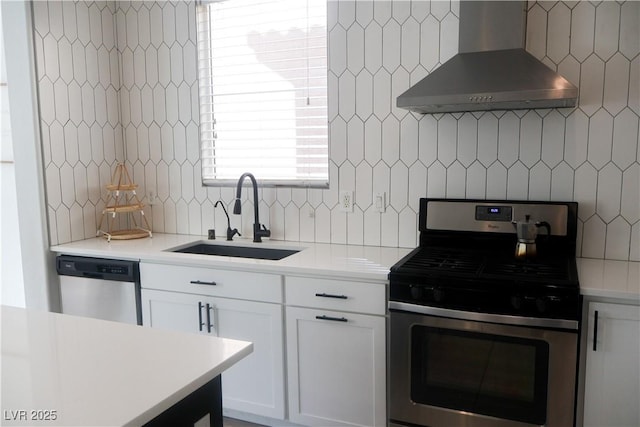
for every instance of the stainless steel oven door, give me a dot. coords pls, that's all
(451, 367)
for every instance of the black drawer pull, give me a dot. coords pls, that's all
(200, 282)
(595, 330)
(200, 315)
(209, 325)
(335, 319)
(323, 295)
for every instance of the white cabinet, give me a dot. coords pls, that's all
(336, 294)
(336, 360)
(335, 339)
(208, 281)
(612, 373)
(254, 385)
(172, 311)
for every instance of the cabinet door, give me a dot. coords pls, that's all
(612, 378)
(336, 368)
(174, 311)
(256, 383)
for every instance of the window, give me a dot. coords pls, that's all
(262, 69)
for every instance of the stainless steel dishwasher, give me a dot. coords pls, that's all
(107, 289)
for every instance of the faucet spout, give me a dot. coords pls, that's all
(258, 230)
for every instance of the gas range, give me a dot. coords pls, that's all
(485, 316)
(466, 260)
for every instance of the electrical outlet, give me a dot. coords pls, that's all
(346, 201)
(152, 197)
(380, 201)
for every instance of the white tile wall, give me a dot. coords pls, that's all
(142, 54)
(77, 70)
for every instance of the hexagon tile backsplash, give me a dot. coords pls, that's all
(117, 82)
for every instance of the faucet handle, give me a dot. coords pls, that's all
(231, 233)
(260, 231)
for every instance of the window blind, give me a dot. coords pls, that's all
(262, 67)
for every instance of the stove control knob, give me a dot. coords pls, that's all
(416, 292)
(516, 302)
(542, 304)
(438, 294)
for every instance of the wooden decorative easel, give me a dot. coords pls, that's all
(123, 199)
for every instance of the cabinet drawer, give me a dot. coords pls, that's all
(337, 295)
(214, 282)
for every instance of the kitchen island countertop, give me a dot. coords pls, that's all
(74, 371)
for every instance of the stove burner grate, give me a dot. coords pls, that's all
(529, 269)
(464, 263)
(438, 259)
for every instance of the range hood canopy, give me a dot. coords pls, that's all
(492, 70)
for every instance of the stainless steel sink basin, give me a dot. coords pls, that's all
(201, 248)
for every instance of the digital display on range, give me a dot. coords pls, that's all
(493, 213)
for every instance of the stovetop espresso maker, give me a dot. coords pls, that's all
(527, 232)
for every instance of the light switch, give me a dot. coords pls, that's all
(380, 202)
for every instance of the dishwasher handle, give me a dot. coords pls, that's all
(99, 276)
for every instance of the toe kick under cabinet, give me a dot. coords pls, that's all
(228, 304)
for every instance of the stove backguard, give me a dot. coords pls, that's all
(462, 218)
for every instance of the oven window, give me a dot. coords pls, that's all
(495, 375)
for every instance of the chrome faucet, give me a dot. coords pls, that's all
(230, 232)
(259, 231)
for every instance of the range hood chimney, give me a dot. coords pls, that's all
(492, 70)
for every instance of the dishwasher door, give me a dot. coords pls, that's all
(100, 288)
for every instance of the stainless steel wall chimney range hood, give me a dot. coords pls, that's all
(492, 70)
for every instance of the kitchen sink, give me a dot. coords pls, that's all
(201, 248)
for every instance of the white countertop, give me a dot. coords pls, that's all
(605, 278)
(93, 372)
(347, 261)
(598, 278)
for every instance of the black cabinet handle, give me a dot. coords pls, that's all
(201, 323)
(595, 330)
(335, 319)
(209, 325)
(323, 295)
(200, 282)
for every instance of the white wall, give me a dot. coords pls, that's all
(11, 281)
(377, 49)
(40, 280)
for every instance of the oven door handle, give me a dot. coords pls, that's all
(484, 317)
